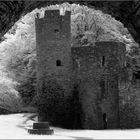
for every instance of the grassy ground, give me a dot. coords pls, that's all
(14, 126)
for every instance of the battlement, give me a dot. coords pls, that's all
(54, 26)
(52, 14)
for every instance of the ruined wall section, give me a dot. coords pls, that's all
(87, 75)
(112, 55)
(97, 69)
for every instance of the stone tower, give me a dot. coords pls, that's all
(53, 38)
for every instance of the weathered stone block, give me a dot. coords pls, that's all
(41, 131)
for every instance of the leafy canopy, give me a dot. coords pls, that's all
(18, 51)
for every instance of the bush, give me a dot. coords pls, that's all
(9, 97)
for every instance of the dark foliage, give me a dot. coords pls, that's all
(58, 109)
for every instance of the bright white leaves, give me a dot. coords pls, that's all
(87, 26)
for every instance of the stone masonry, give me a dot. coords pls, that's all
(53, 40)
(95, 69)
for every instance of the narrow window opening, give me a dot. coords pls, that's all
(105, 120)
(58, 63)
(103, 60)
(103, 89)
(56, 30)
(136, 75)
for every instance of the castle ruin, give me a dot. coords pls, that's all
(94, 71)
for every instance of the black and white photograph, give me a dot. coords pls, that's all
(70, 69)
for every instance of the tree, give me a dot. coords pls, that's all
(18, 50)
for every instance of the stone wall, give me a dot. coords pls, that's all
(97, 70)
(130, 103)
(87, 75)
(114, 55)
